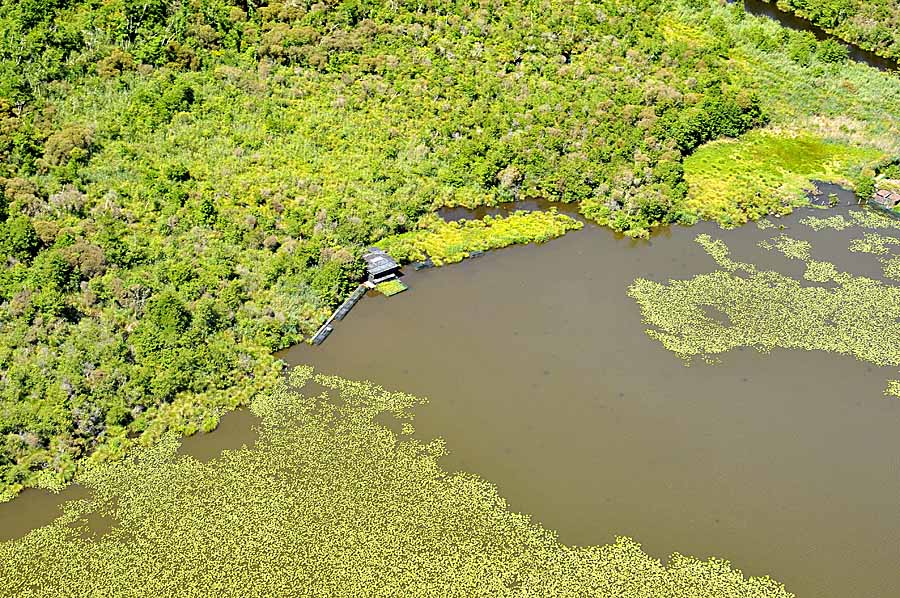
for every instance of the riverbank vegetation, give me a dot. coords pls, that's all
(186, 186)
(852, 315)
(873, 26)
(450, 242)
(368, 512)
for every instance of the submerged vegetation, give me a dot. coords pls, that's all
(450, 242)
(853, 315)
(367, 513)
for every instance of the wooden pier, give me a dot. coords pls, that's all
(345, 307)
(381, 268)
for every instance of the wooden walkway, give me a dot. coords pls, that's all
(338, 314)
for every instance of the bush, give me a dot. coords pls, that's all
(717, 116)
(18, 238)
(865, 187)
(50, 271)
(801, 46)
(832, 51)
(115, 64)
(166, 320)
(70, 144)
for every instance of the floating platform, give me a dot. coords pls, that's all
(391, 287)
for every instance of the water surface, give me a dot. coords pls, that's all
(236, 429)
(35, 508)
(542, 380)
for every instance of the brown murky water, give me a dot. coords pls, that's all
(541, 379)
(236, 430)
(35, 508)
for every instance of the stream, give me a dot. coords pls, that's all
(792, 21)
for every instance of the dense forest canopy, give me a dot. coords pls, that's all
(186, 186)
(873, 25)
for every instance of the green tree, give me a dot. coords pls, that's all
(18, 238)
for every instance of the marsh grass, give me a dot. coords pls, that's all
(451, 242)
(764, 172)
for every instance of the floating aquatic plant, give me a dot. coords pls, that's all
(873, 243)
(790, 247)
(862, 218)
(328, 502)
(718, 250)
(891, 267)
(817, 271)
(837, 222)
(766, 309)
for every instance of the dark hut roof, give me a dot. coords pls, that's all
(378, 261)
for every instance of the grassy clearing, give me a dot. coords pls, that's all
(329, 502)
(766, 172)
(450, 242)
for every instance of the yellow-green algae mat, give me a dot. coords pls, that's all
(855, 315)
(328, 502)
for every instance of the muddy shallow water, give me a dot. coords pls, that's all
(542, 380)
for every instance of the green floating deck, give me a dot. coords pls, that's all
(391, 287)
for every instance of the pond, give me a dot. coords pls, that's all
(541, 379)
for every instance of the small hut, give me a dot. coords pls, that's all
(887, 198)
(380, 266)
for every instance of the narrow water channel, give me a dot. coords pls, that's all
(542, 380)
(792, 21)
